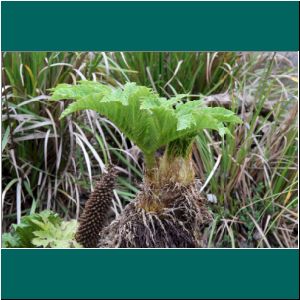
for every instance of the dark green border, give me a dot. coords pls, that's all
(132, 274)
(149, 26)
(153, 26)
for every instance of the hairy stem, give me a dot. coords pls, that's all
(168, 170)
(181, 147)
(150, 161)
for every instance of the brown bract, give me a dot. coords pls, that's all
(96, 209)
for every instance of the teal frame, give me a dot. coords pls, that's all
(152, 273)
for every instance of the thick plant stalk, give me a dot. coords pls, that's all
(96, 209)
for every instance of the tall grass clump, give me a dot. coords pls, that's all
(253, 189)
(171, 73)
(49, 163)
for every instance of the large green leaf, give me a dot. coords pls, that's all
(147, 119)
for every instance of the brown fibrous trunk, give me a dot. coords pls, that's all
(174, 217)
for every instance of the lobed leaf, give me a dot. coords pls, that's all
(147, 119)
(45, 229)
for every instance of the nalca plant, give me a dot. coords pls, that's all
(169, 211)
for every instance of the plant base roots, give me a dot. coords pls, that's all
(175, 222)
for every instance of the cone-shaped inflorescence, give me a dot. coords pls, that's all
(96, 209)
